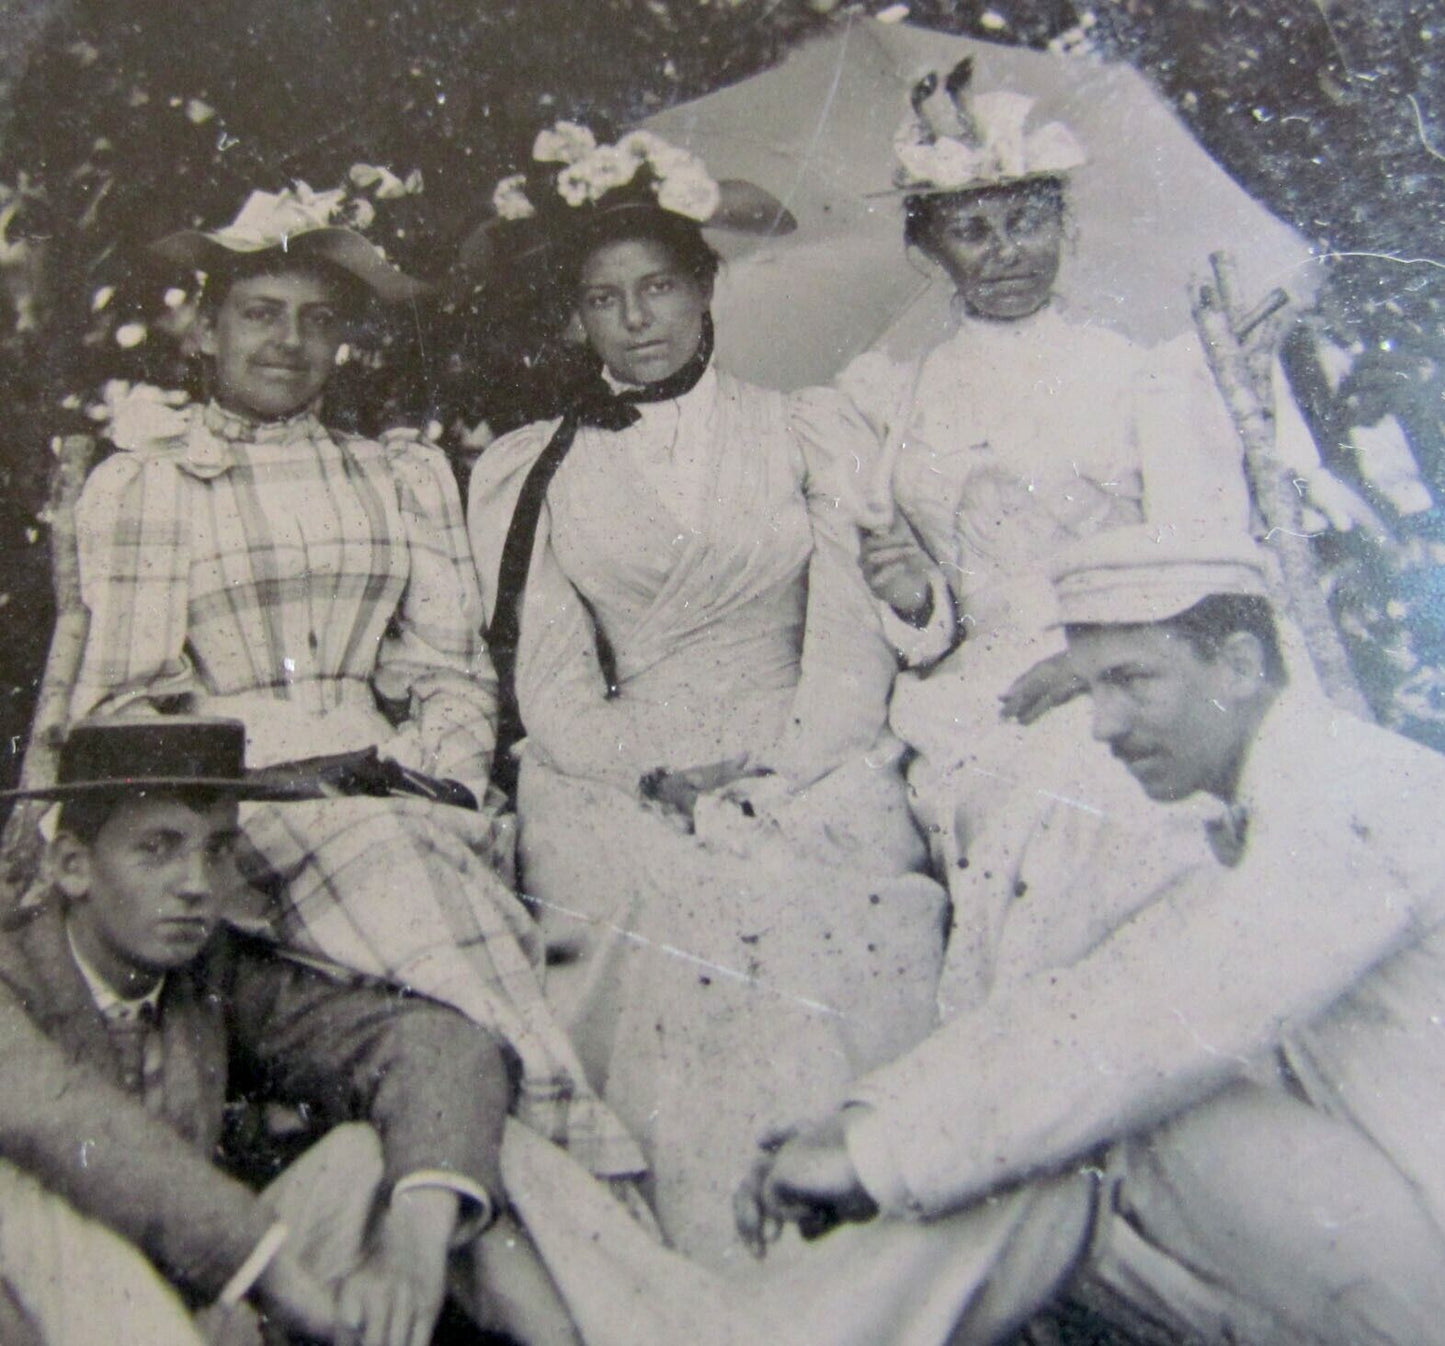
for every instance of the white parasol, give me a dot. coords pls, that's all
(1148, 208)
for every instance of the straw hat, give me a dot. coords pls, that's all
(956, 142)
(296, 222)
(162, 752)
(573, 181)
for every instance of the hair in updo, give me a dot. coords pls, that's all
(925, 212)
(691, 253)
(351, 296)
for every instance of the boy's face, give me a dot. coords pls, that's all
(146, 895)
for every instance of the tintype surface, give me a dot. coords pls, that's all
(1285, 160)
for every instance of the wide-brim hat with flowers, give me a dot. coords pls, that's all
(953, 141)
(572, 182)
(295, 222)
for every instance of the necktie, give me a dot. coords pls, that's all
(133, 1035)
(1226, 834)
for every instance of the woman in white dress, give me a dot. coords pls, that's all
(712, 821)
(1020, 433)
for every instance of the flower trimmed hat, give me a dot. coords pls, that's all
(952, 142)
(306, 224)
(572, 181)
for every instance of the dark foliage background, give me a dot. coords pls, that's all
(123, 119)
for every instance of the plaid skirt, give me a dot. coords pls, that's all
(408, 891)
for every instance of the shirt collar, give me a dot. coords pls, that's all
(699, 390)
(1273, 750)
(107, 1001)
(234, 429)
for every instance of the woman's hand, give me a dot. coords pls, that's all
(678, 789)
(1049, 683)
(898, 570)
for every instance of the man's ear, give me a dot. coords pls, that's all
(70, 866)
(1242, 655)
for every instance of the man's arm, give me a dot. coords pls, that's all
(435, 1086)
(1157, 1016)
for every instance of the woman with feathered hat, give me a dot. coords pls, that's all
(240, 558)
(711, 815)
(1024, 430)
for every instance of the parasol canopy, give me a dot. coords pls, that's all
(1147, 209)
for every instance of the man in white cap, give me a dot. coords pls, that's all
(1217, 1118)
(1223, 1116)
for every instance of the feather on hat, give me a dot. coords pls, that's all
(951, 142)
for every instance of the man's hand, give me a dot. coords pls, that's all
(294, 1299)
(898, 571)
(1049, 683)
(395, 1297)
(805, 1178)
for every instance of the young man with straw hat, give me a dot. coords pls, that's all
(130, 1015)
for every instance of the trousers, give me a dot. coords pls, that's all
(1252, 1218)
(67, 1280)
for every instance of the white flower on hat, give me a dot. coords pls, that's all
(563, 143)
(572, 186)
(678, 179)
(689, 192)
(383, 183)
(361, 214)
(663, 158)
(951, 142)
(268, 218)
(606, 167)
(510, 198)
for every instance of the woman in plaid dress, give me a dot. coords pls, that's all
(240, 559)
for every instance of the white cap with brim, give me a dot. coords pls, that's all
(278, 222)
(1127, 576)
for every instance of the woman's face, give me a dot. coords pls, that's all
(274, 340)
(642, 314)
(1000, 248)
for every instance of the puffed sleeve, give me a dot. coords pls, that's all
(880, 388)
(847, 666)
(569, 715)
(433, 657)
(134, 549)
